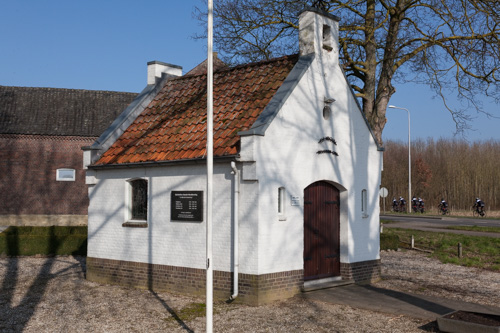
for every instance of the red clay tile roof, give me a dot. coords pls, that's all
(173, 126)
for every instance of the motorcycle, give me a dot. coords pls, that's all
(421, 207)
(444, 209)
(414, 206)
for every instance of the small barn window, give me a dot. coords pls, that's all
(139, 200)
(65, 175)
(281, 203)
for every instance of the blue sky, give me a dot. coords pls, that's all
(105, 45)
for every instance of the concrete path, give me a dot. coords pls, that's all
(3, 227)
(394, 302)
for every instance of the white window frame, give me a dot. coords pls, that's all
(61, 175)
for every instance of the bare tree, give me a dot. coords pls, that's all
(452, 45)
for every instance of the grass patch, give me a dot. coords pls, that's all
(477, 251)
(475, 228)
(384, 221)
(54, 240)
(189, 312)
(389, 241)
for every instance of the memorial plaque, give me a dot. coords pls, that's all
(186, 206)
(295, 201)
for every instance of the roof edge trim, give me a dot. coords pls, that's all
(287, 87)
(162, 163)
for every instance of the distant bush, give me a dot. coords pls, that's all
(389, 242)
(54, 240)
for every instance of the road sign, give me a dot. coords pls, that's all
(383, 193)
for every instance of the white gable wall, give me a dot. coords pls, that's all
(287, 156)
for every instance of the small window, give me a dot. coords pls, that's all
(281, 201)
(364, 204)
(327, 38)
(65, 175)
(326, 112)
(139, 200)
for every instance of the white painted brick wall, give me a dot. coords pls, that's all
(286, 156)
(171, 242)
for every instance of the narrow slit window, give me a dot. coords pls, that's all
(364, 205)
(281, 201)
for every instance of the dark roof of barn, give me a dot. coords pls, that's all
(59, 112)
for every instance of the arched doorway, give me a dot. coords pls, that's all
(321, 231)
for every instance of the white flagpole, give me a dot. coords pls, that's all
(210, 158)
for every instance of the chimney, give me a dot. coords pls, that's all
(157, 68)
(318, 32)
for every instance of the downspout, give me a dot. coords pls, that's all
(236, 191)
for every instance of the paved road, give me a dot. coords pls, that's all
(439, 224)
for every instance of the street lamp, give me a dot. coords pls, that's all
(409, 156)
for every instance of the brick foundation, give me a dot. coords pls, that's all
(361, 272)
(253, 289)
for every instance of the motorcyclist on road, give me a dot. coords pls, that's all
(479, 206)
(421, 205)
(443, 206)
(414, 204)
(402, 204)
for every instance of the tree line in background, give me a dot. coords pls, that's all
(455, 170)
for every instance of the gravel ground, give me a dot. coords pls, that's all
(52, 295)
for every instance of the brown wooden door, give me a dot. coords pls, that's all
(321, 231)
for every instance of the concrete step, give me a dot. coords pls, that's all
(311, 286)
